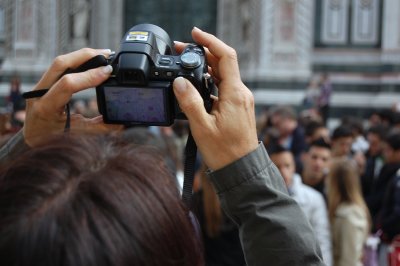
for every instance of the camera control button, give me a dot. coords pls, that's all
(169, 74)
(165, 61)
(190, 60)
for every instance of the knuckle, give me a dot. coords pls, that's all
(232, 53)
(250, 100)
(66, 81)
(88, 51)
(244, 97)
(60, 62)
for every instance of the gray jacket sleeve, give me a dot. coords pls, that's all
(273, 230)
(15, 146)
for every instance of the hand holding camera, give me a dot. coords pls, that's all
(45, 116)
(228, 132)
(142, 75)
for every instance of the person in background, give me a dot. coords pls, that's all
(324, 99)
(348, 213)
(391, 155)
(290, 132)
(374, 158)
(15, 96)
(383, 200)
(311, 202)
(341, 141)
(360, 144)
(315, 130)
(220, 235)
(311, 95)
(316, 163)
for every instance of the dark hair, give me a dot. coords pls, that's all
(276, 149)
(284, 111)
(379, 130)
(88, 201)
(342, 132)
(355, 124)
(321, 143)
(393, 140)
(312, 127)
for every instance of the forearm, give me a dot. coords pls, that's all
(272, 227)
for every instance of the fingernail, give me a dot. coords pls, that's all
(106, 51)
(180, 85)
(197, 29)
(107, 69)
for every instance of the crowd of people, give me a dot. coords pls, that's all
(354, 167)
(276, 189)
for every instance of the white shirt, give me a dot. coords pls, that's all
(313, 205)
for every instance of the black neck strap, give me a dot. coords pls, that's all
(190, 160)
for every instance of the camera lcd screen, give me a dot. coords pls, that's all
(137, 105)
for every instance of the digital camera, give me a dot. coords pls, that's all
(139, 91)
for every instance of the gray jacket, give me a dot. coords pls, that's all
(273, 229)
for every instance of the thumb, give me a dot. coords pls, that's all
(190, 100)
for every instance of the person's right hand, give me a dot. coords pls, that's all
(45, 116)
(228, 132)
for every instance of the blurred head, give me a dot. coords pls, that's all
(391, 147)
(375, 138)
(315, 130)
(343, 185)
(88, 201)
(284, 160)
(284, 119)
(342, 139)
(316, 162)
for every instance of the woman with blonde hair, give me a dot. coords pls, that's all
(348, 213)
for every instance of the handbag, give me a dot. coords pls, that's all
(394, 252)
(370, 255)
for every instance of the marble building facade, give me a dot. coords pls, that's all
(281, 44)
(36, 31)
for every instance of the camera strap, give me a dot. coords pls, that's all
(189, 166)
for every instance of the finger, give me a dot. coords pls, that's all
(228, 67)
(214, 76)
(214, 98)
(95, 125)
(190, 101)
(179, 46)
(60, 94)
(211, 59)
(68, 61)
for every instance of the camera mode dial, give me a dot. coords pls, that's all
(190, 60)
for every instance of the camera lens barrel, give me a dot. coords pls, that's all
(164, 42)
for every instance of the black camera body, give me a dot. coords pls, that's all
(139, 91)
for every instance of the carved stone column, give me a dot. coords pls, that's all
(391, 31)
(273, 38)
(31, 41)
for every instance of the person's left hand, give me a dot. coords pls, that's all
(45, 116)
